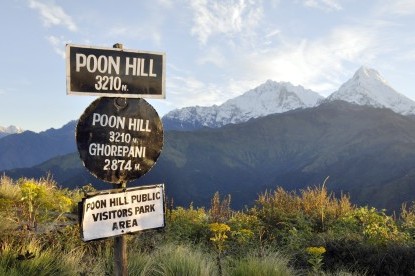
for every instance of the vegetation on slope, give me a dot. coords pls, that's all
(309, 232)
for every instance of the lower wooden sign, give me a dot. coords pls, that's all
(120, 211)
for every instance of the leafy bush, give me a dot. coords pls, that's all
(377, 227)
(189, 225)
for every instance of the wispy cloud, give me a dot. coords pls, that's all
(185, 91)
(213, 56)
(224, 17)
(326, 5)
(58, 44)
(400, 7)
(320, 63)
(52, 14)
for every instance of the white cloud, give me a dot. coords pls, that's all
(272, 33)
(399, 7)
(165, 3)
(319, 64)
(213, 56)
(186, 91)
(326, 5)
(52, 14)
(58, 44)
(228, 18)
(189, 91)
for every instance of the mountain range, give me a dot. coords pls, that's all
(366, 87)
(273, 135)
(28, 148)
(268, 98)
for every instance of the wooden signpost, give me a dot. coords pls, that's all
(119, 139)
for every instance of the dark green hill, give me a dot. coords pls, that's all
(367, 152)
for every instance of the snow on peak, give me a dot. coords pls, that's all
(11, 129)
(268, 98)
(368, 87)
(4, 131)
(367, 73)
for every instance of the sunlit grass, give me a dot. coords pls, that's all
(270, 264)
(40, 235)
(180, 260)
(32, 259)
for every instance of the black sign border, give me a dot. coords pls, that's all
(105, 94)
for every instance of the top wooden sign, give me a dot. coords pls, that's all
(113, 72)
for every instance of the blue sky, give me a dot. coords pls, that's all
(215, 50)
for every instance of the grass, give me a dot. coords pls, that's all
(180, 260)
(270, 264)
(32, 259)
(280, 221)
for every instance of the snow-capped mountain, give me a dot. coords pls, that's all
(368, 87)
(268, 98)
(4, 131)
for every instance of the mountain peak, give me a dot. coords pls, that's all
(268, 98)
(368, 73)
(368, 87)
(4, 131)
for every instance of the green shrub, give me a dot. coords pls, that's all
(188, 225)
(314, 207)
(247, 231)
(377, 227)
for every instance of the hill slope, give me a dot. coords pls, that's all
(367, 152)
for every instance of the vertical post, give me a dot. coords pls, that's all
(120, 242)
(120, 248)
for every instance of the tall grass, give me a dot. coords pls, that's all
(180, 260)
(39, 235)
(270, 264)
(32, 259)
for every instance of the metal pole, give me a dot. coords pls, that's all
(120, 242)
